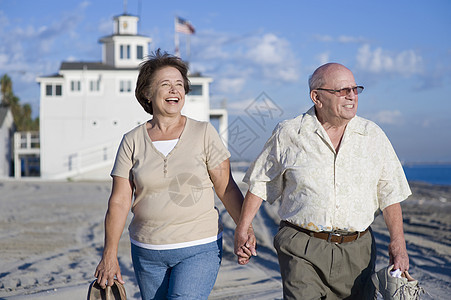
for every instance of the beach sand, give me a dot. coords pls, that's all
(51, 239)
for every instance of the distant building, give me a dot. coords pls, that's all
(87, 106)
(6, 137)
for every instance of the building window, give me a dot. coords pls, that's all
(94, 85)
(58, 90)
(124, 51)
(75, 85)
(125, 86)
(48, 90)
(196, 90)
(139, 52)
(53, 90)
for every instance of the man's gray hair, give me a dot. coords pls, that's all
(316, 80)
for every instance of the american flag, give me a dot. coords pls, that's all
(183, 26)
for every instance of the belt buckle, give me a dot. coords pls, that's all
(331, 234)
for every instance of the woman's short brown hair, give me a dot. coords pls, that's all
(154, 62)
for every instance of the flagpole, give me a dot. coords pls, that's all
(176, 39)
(188, 48)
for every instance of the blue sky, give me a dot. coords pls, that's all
(399, 50)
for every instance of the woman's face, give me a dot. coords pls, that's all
(168, 95)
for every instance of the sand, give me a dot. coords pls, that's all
(51, 239)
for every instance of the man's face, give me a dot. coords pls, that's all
(331, 107)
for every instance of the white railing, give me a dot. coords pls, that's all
(89, 159)
(26, 142)
(26, 145)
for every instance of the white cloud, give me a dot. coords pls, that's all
(105, 26)
(239, 60)
(3, 59)
(226, 85)
(388, 117)
(237, 107)
(71, 58)
(275, 58)
(379, 61)
(323, 38)
(85, 4)
(346, 39)
(33, 48)
(323, 57)
(3, 20)
(343, 39)
(426, 123)
(268, 50)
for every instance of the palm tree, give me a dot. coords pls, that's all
(6, 90)
(21, 113)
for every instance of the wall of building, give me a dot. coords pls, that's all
(81, 128)
(6, 131)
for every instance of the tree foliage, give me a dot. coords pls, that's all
(21, 113)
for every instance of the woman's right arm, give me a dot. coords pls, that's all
(118, 207)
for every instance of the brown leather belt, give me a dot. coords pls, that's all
(331, 237)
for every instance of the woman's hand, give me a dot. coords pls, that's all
(245, 245)
(115, 218)
(107, 270)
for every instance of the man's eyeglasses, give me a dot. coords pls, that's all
(344, 91)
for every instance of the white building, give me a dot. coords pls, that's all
(87, 107)
(6, 138)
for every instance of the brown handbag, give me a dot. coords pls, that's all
(114, 292)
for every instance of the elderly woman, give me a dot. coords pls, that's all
(170, 165)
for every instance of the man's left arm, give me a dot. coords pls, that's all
(397, 247)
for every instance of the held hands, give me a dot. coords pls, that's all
(107, 269)
(245, 244)
(398, 255)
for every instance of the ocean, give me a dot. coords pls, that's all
(439, 174)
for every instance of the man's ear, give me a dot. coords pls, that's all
(314, 95)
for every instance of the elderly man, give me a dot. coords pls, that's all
(332, 172)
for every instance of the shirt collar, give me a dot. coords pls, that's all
(355, 125)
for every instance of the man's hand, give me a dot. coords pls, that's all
(245, 245)
(398, 255)
(397, 247)
(245, 242)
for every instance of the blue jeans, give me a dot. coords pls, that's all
(186, 273)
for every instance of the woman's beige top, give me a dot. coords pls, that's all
(173, 196)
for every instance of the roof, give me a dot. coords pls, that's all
(52, 76)
(125, 15)
(125, 34)
(89, 66)
(3, 113)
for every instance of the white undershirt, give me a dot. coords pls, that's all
(165, 147)
(177, 245)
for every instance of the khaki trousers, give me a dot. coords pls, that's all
(313, 268)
